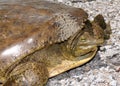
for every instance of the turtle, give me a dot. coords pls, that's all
(41, 39)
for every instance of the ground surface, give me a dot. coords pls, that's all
(104, 69)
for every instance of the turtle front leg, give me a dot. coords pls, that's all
(28, 74)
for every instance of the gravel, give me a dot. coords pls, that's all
(104, 69)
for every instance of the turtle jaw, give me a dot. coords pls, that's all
(83, 51)
(69, 64)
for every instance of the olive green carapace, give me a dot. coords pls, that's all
(40, 39)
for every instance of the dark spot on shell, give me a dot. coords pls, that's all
(3, 61)
(39, 35)
(46, 43)
(50, 38)
(54, 25)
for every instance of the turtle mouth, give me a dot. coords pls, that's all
(88, 54)
(69, 64)
(83, 50)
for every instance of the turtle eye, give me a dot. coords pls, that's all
(83, 39)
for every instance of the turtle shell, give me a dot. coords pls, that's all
(27, 26)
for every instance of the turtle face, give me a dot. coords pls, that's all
(92, 35)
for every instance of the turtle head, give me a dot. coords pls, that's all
(92, 35)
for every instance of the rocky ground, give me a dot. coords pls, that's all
(104, 69)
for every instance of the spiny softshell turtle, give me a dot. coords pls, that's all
(41, 39)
